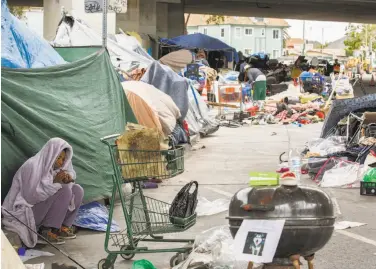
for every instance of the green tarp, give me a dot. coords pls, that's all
(72, 54)
(79, 102)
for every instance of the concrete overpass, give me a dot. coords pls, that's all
(165, 18)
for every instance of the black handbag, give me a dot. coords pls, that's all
(185, 202)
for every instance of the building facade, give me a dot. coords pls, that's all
(246, 34)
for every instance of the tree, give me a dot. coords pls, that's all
(358, 37)
(216, 19)
(18, 11)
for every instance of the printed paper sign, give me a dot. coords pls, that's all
(257, 240)
(96, 6)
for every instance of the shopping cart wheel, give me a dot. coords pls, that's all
(126, 256)
(177, 259)
(102, 265)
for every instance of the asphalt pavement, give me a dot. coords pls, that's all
(222, 168)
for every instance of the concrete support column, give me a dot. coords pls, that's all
(162, 19)
(141, 17)
(175, 20)
(52, 16)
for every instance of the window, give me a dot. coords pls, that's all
(263, 32)
(205, 31)
(275, 34)
(258, 19)
(248, 31)
(247, 51)
(275, 54)
(238, 32)
(222, 32)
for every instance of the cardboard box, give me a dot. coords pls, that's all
(263, 179)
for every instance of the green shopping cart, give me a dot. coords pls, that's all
(146, 218)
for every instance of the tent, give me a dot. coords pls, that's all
(201, 41)
(125, 51)
(177, 60)
(79, 102)
(199, 121)
(165, 79)
(152, 107)
(21, 47)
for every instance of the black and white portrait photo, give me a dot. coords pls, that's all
(254, 243)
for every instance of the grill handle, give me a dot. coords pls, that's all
(250, 207)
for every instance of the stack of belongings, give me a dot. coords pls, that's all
(299, 110)
(337, 160)
(140, 152)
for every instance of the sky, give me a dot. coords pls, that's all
(332, 30)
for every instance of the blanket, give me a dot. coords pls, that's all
(165, 79)
(32, 184)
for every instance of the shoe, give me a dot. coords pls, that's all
(66, 233)
(52, 237)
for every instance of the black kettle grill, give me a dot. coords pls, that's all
(308, 214)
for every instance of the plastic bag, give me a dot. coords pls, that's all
(143, 264)
(343, 174)
(327, 146)
(184, 204)
(370, 175)
(207, 208)
(214, 248)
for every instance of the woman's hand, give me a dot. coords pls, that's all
(68, 178)
(63, 177)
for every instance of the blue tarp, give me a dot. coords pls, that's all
(21, 47)
(94, 216)
(201, 41)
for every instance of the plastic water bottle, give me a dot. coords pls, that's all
(295, 163)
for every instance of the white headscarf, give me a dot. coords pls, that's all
(32, 184)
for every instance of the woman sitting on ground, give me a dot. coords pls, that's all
(44, 196)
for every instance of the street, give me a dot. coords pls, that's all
(222, 168)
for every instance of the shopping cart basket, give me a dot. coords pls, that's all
(146, 218)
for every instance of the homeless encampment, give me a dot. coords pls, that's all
(152, 107)
(79, 102)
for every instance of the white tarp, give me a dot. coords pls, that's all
(125, 51)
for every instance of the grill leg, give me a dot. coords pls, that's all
(250, 265)
(295, 261)
(309, 259)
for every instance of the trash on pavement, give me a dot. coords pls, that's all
(208, 208)
(342, 225)
(34, 253)
(214, 248)
(343, 174)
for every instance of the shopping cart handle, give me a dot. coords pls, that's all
(109, 137)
